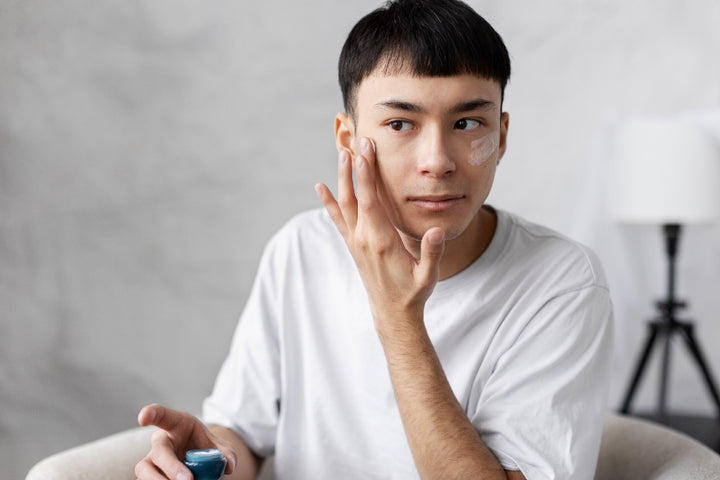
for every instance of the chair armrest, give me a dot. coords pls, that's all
(110, 458)
(634, 448)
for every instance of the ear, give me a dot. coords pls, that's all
(344, 133)
(504, 125)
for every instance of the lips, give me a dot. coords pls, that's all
(436, 202)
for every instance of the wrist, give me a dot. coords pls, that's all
(401, 331)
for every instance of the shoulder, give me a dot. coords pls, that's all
(308, 234)
(310, 225)
(542, 250)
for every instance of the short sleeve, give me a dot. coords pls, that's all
(542, 409)
(246, 395)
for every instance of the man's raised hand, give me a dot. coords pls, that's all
(397, 282)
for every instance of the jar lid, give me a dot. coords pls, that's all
(203, 455)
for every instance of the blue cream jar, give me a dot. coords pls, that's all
(206, 463)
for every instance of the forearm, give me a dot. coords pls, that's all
(442, 439)
(248, 463)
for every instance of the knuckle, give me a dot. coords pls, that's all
(142, 467)
(158, 436)
(376, 245)
(365, 204)
(345, 201)
(154, 457)
(157, 454)
(365, 247)
(381, 243)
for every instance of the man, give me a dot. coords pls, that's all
(408, 330)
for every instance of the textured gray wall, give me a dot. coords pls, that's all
(149, 149)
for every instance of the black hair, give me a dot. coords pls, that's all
(424, 37)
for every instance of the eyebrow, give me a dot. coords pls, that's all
(477, 104)
(463, 107)
(400, 105)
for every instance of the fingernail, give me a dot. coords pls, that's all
(437, 237)
(374, 147)
(365, 145)
(183, 476)
(343, 157)
(150, 416)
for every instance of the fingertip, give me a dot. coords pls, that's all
(146, 415)
(231, 463)
(324, 194)
(367, 145)
(436, 236)
(149, 414)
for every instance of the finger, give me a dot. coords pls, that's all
(367, 149)
(147, 415)
(332, 207)
(222, 444)
(431, 251)
(146, 470)
(231, 460)
(346, 189)
(163, 417)
(366, 191)
(163, 455)
(368, 183)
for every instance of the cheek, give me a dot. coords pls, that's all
(483, 148)
(485, 179)
(391, 160)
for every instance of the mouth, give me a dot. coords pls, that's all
(436, 203)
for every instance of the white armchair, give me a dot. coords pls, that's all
(631, 449)
(109, 458)
(637, 449)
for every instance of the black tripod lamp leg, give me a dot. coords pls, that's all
(664, 372)
(694, 348)
(639, 369)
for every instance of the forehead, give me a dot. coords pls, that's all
(433, 93)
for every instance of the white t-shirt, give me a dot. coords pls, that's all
(524, 335)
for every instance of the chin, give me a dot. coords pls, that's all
(451, 231)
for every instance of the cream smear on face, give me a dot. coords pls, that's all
(483, 148)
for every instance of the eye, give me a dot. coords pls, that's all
(467, 124)
(400, 125)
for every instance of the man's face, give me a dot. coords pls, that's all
(438, 142)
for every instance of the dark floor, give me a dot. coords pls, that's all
(704, 429)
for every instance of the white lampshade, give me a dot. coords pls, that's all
(666, 171)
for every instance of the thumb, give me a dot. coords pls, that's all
(231, 457)
(431, 251)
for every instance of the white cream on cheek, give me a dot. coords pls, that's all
(482, 148)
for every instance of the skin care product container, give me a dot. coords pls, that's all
(205, 464)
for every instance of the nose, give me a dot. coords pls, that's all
(434, 157)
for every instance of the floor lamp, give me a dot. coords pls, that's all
(668, 174)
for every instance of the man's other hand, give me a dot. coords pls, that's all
(177, 432)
